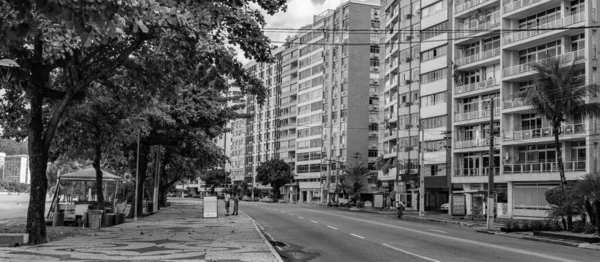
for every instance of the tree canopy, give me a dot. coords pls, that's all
(156, 51)
(275, 173)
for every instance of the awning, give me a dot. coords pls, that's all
(88, 174)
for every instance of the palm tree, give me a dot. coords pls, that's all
(559, 94)
(355, 176)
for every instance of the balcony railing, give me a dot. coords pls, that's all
(572, 129)
(476, 172)
(478, 57)
(531, 32)
(514, 5)
(545, 167)
(476, 86)
(523, 68)
(468, 30)
(476, 143)
(511, 103)
(466, 5)
(475, 115)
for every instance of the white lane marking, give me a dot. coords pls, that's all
(332, 227)
(473, 242)
(357, 236)
(314, 222)
(282, 212)
(438, 231)
(301, 217)
(409, 253)
(291, 214)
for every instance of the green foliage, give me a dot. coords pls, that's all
(215, 178)
(354, 180)
(12, 147)
(513, 225)
(360, 204)
(274, 172)
(14, 187)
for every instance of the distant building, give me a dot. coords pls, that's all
(15, 168)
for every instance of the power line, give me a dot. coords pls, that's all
(424, 30)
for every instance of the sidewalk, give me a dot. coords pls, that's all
(174, 233)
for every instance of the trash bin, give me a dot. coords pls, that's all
(150, 207)
(119, 218)
(95, 219)
(110, 220)
(58, 220)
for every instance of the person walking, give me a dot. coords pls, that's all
(236, 200)
(227, 198)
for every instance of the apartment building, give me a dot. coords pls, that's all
(233, 142)
(490, 66)
(322, 102)
(417, 79)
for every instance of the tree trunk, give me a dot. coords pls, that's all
(38, 156)
(96, 165)
(144, 150)
(561, 170)
(597, 215)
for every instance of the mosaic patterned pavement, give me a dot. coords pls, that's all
(177, 233)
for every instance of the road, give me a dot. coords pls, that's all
(323, 234)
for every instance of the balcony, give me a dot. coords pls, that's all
(468, 30)
(461, 61)
(487, 84)
(543, 29)
(524, 68)
(477, 143)
(470, 5)
(520, 4)
(545, 167)
(473, 115)
(573, 129)
(475, 172)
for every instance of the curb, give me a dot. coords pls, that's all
(549, 241)
(273, 251)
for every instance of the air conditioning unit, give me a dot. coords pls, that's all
(407, 59)
(376, 69)
(344, 106)
(407, 126)
(344, 93)
(408, 148)
(408, 38)
(342, 145)
(418, 11)
(407, 82)
(407, 104)
(408, 16)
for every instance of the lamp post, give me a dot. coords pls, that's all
(137, 177)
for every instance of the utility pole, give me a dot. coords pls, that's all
(422, 176)
(448, 170)
(157, 179)
(490, 211)
(337, 176)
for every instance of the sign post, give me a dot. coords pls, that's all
(210, 207)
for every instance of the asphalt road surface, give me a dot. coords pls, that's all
(313, 233)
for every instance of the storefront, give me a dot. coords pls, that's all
(529, 199)
(475, 197)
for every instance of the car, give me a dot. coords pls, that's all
(246, 198)
(268, 200)
(444, 207)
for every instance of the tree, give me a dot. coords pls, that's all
(12, 147)
(587, 190)
(355, 177)
(65, 47)
(274, 172)
(559, 94)
(215, 178)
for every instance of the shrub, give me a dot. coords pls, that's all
(537, 225)
(335, 205)
(578, 227)
(329, 204)
(360, 204)
(589, 229)
(511, 226)
(556, 225)
(525, 225)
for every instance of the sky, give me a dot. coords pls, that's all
(299, 13)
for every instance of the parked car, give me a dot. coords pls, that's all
(246, 198)
(445, 207)
(268, 200)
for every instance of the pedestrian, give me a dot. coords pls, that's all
(227, 197)
(236, 200)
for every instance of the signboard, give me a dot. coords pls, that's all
(459, 205)
(210, 207)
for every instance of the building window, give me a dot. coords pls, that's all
(433, 76)
(374, 49)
